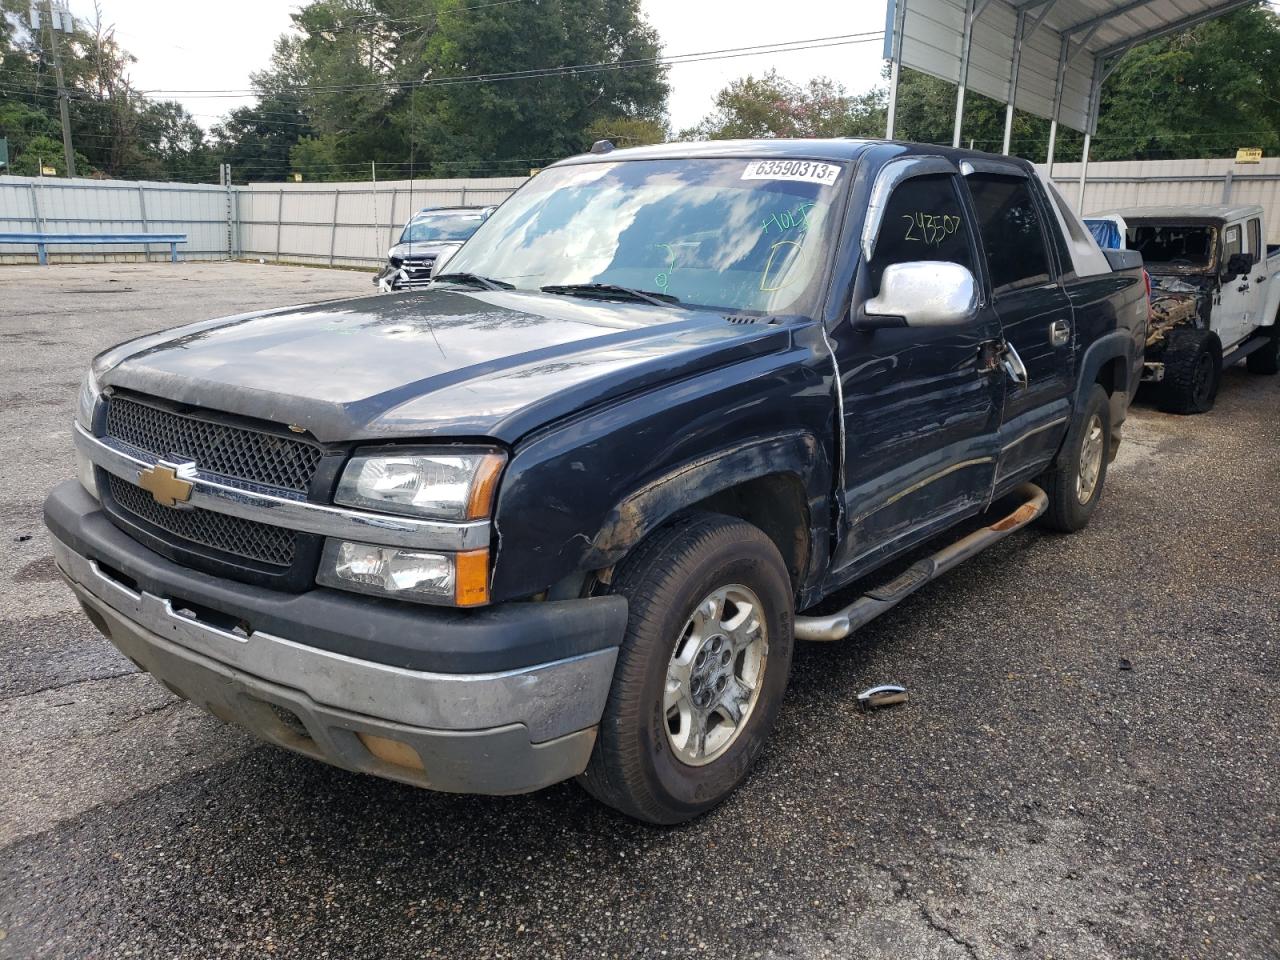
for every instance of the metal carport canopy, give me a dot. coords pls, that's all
(1046, 57)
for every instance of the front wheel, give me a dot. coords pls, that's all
(1192, 372)
(1075, 480)
(701, 671)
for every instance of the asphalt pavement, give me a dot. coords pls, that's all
(1087, 767)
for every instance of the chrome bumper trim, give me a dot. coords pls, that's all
(551, 700)
(279, 511)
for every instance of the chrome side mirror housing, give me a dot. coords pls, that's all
(923, 293)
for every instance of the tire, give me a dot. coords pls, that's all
(1192, 372)
(1267, 360)
(1075, 480)
(644, 762)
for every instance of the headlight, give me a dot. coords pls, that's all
(443, 484)
(459, 579)
(86, 404)
(87, 401)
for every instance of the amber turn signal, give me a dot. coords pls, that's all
(471, 578)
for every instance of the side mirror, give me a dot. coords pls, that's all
(1238, 264)
(923, 293)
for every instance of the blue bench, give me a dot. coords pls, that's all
(43, 240)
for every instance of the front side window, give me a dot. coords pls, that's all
(1255, 239)
(743, 235)
(922, 221)
(1011, 230)
(1232, 243)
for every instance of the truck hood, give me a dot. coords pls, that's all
(437, 363)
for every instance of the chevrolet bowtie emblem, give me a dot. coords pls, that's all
(168, 483)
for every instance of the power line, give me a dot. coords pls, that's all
(728, 53)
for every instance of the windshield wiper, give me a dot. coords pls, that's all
(613, 291)
(475, 280)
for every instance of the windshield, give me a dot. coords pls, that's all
(742, 235)
(1185, 246)
(442, 226)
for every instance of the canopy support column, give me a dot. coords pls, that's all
(897, 18)
(1020, 38)
(1090, 128)
(1103, 67)
(1064, 51)
(972, 11)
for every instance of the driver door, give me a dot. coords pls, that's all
(1241, 294)
(921, 405)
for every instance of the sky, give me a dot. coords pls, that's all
(212, 46)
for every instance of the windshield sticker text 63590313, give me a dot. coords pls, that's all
(805, 171)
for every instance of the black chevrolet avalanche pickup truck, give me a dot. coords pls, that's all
(563, 513)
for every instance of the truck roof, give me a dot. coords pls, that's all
(835, 150)
(1190, 211)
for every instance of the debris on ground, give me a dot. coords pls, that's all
(885, 695)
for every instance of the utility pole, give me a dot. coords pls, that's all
(63, 107)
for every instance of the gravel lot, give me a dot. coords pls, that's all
(1087, 768)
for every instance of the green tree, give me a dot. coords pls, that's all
(395, 81)
(116, 130)
(258, 141)
(466, 128)
(1201, 93)
(772, 106)
(627, 131)
(43, 151)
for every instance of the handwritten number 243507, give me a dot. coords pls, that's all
(930, 229)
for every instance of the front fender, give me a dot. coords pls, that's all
(578, 494)
(648, 508)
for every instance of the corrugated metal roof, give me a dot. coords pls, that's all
(1090, 31)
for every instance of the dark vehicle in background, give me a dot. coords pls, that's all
(428, 240)
(564, 513)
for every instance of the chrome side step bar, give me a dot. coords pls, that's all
(870, 605)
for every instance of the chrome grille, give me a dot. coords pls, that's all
(218, 448)
(232, 535)
(418, 269)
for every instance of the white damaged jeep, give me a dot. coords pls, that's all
(1214, 296)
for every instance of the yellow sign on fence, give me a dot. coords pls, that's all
(1249, 155)
(48, 171)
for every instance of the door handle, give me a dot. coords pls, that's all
(1013, 365)
(1059, 333)
(1259, 279)
(1243, 288)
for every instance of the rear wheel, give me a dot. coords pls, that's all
(701, 671)
(1192, 372)
(1267, 360)
(1075, 480)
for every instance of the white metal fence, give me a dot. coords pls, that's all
(1152, 183)
(336, 224)
(353, 224)
(49, 205)
(345, 224)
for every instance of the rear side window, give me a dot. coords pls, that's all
(1011, 230)
(923, 221)
(1255, 239)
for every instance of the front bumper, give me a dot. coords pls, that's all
(498, 732)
